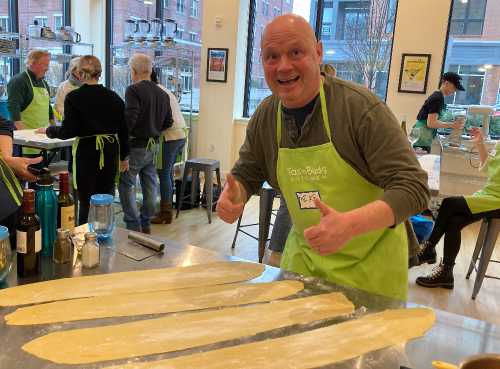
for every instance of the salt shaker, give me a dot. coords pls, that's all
(62, 247)
(90, 251)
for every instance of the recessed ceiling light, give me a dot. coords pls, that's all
(149, 2)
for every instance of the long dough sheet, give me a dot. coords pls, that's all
(182, 331)
(311, 349)
(131, 282)
(153, 302)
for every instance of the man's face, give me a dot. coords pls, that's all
(40, 67)
(291, 58)
(448, 88)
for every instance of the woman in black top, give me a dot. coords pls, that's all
(428, 118)
(95, 116)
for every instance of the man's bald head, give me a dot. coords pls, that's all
(288, 22)
(291, 57)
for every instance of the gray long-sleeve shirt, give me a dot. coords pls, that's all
(147, 111)
(365, 133)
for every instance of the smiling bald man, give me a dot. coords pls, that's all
(338, 156)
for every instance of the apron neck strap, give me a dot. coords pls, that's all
(324, 114)
(29, 77)
(31, 81)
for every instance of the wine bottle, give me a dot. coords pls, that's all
(29, 237)
(66, 205)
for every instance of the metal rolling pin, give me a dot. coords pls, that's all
(146, 241)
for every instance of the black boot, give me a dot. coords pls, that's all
(426, 254)
(441, 276)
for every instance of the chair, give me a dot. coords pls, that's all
(485, 244)
(197, 165)
(267, 195)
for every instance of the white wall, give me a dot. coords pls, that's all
(220, 103)
(421, 27)
(88, 19)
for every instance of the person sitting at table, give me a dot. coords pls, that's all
(430, 114)
(95, 115)
(457, 212)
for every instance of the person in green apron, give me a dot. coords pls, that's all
(457, 212)
(11, 167)
(338, 156)
(29, 98)
(95, 115)
(430, 114)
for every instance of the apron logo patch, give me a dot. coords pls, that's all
(307, 173)
(306, 199)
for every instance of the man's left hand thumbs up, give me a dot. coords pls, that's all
(332, 233)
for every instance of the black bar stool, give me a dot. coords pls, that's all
(197, 165)
(485, 244)
(266, 198)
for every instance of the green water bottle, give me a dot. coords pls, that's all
(46, 209)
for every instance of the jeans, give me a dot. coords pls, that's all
(142, 163)
(166, 174)
(281, 228)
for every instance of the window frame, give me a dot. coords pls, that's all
(466, 20)
(6, 19)
(57, 16)
(44, 18)
(180, 9)
(194, 11)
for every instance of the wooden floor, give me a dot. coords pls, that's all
(192, 228)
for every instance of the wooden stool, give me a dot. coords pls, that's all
(267, 195)
(490, 227)
(197, 165)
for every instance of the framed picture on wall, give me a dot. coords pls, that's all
(414, 73)
(217, 65)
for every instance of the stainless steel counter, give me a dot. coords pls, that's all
(452, 338)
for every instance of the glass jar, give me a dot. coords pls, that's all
(63, 249)
(90, 251)
(5, 253)
(101, 215)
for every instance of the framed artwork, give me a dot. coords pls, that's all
(414, 73)
(217, 65)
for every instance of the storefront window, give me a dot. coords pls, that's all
(257, 88)
(5, 63)
(46, 14)
(356, 36)
(178, 67)
(475, 58)
(357, 39)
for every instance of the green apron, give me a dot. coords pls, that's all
(426, 134)
(376, 261)
(488, 198)
(99, 145)
(36, 115)
(10, 181)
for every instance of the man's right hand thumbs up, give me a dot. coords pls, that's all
(231, 201)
